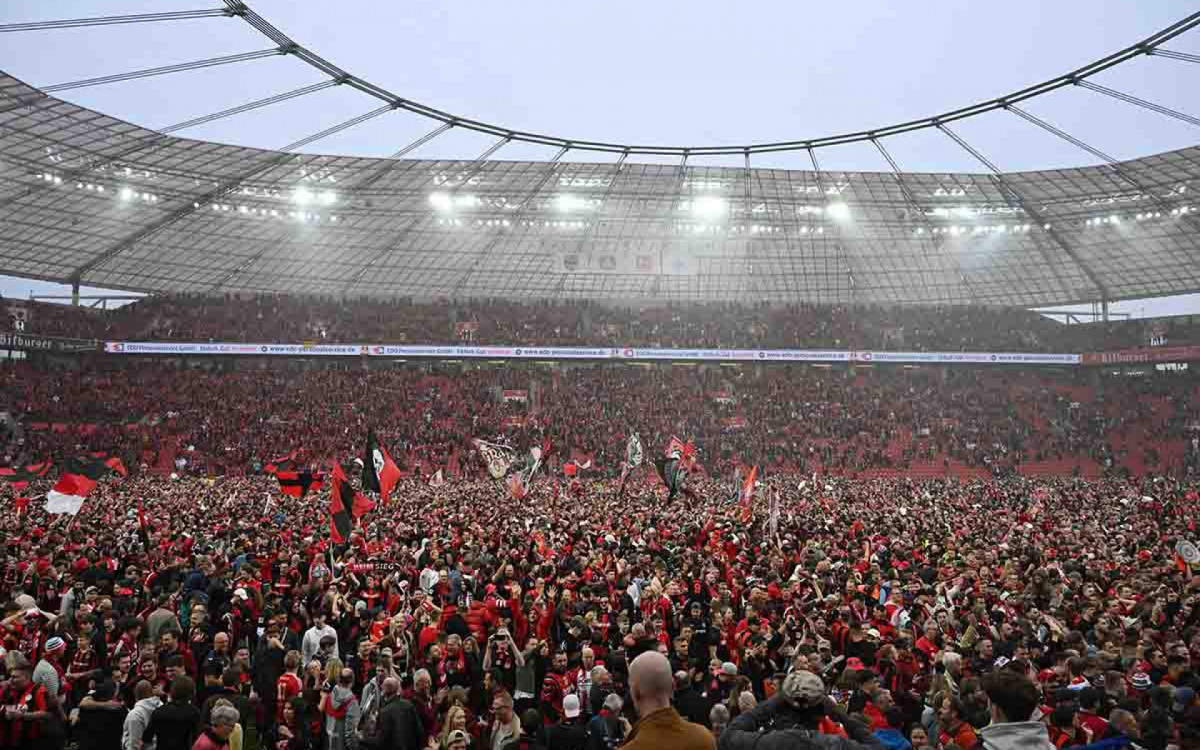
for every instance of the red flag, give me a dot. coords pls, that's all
(380, 473)
(747, 497)
(21, 503)
(570, 469)
(345, 505)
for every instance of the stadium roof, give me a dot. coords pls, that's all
(86, 198)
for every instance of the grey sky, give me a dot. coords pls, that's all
(680, 73)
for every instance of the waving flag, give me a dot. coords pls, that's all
(345, 505)
(634, 455)
(499, 458)
(746, 498)
(21, 476)
(283, 463)
(380, 472)
(78, 479)
(297, 484)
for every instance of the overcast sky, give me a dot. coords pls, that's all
(670, 72)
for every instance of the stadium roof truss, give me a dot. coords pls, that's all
(88, 199)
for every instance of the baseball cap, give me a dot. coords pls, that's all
(571, 706)
(457, 735)
(803, 689)
(854, 663)
(729, 668)
(240, 593)
(873, 633)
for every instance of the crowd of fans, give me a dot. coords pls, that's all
(296, 319)
(961, 421)
(886, 612)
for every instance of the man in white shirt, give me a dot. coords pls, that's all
(312, 638)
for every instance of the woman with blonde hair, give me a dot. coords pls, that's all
(456, 720)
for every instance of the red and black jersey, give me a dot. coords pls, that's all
(20, 733)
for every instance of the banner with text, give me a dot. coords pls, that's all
(1144, 355)
(579, 352)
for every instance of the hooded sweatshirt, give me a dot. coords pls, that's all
(136, 722)
(341, 718)
(1017, 735)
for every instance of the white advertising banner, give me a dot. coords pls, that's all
(578, 352)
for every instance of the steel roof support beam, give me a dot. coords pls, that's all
(75, 23)
(1160, 52)
(248, 106)
(590, 230)
(154, 139)
(1041, 224)
(1113, 164)
(911, 199)
(465, 178)
(345, 125)
(1146, 46)
(192, 205)
(483, 255)
(390, 163)
(177, 68)
(1130, 99)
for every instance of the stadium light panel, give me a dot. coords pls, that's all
(839, 211)
(328, 197)
(567, 202)
(709, 206)
(302, 196)
(126, 193)
(441, 201)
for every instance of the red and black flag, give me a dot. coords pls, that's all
(345, 505)
(78, 479)
(379, 471)
(300, 483)
(673, 467)
(21, 476)
(143, 531)
(283, 463)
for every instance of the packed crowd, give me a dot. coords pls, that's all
(887, 613)
(295, 319)
(786, 419)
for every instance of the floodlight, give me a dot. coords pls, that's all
(568, 202)
(839, 211)
(302, 196)
(440, 201)
(328, 197)
(709, 205)
(126, 193)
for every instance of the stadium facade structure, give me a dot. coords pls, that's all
(88, 199)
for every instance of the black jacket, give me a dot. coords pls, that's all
(569, 735)
(693, 706)
(398, 727)
(174, 726)
(743, 733)
(99, 727)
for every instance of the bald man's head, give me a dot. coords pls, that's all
(651, 682)
(391, 686)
